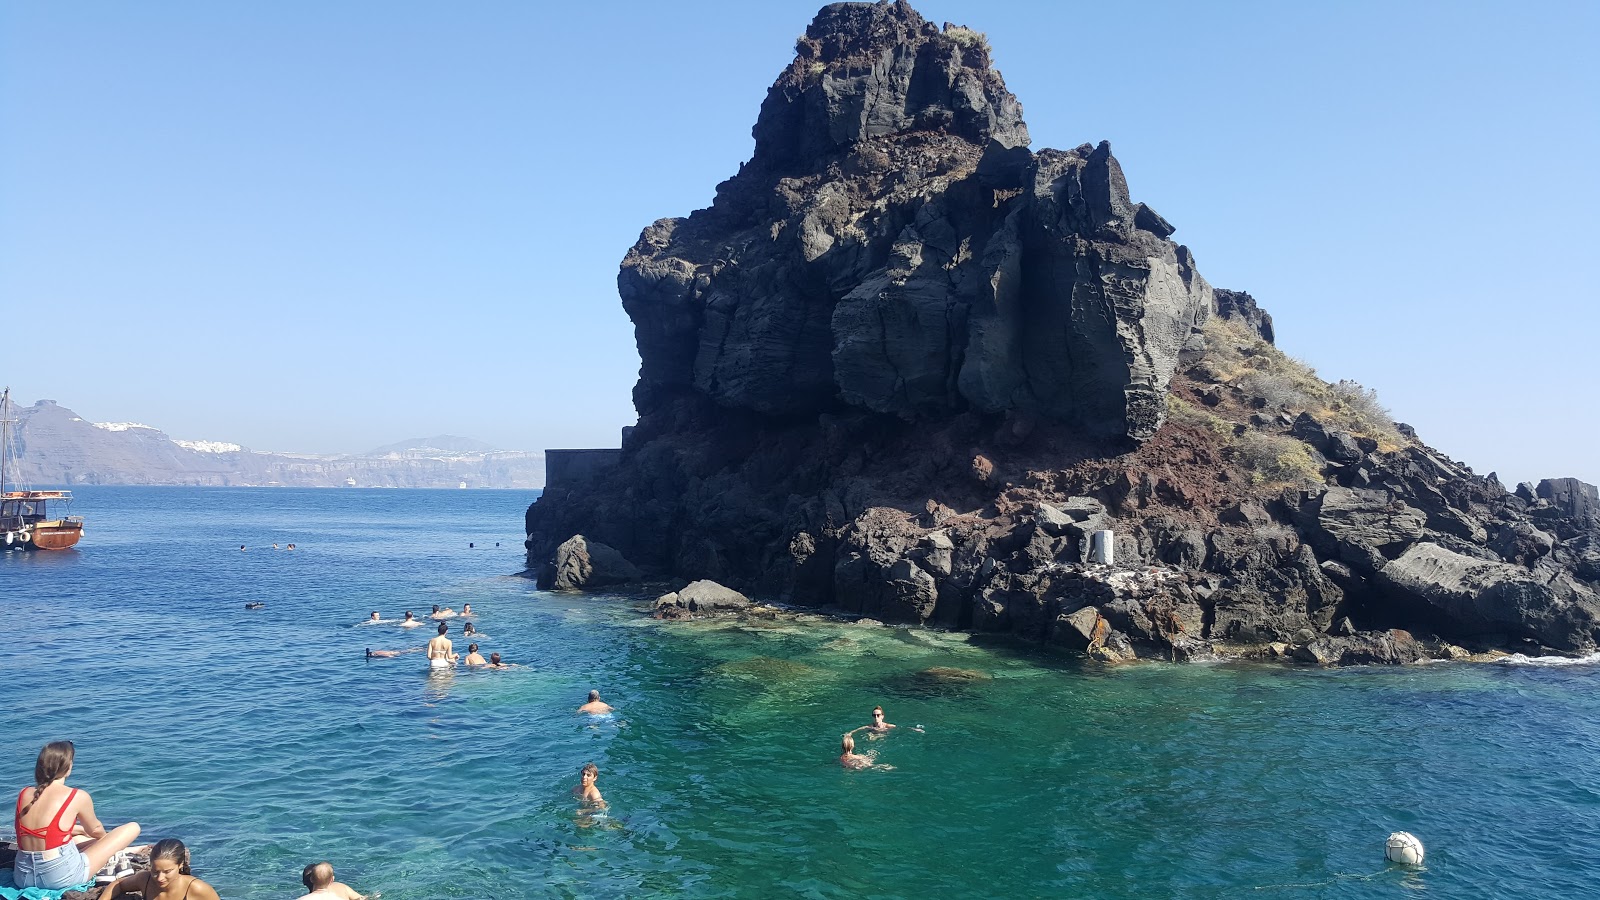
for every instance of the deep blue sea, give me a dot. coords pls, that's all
(265, 740)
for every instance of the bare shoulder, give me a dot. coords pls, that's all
(201, 891)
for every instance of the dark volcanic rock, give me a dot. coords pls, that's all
(893, 247)
(905, 367)
(579, 563)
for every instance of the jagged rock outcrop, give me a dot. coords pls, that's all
(904, 367)
(894, 247)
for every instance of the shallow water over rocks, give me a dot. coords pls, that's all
(265, 740)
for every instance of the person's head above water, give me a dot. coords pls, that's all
(594, 696)
(443, 628)
(472, 648)
(436, 607)
(468, 629)
(317, 876)
(409, 615)
(169, 858)
(847, 744)
(494, 659)
(466, 609)
(374, 615)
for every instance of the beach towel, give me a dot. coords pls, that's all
(10, 891)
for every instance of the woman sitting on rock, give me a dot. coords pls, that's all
(48, 815)
(168, 877)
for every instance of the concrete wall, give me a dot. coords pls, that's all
(562, 467)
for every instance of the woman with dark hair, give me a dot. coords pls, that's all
(168, 877)
(441, 655)
(48, 812)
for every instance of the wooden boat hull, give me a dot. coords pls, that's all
(49, 536)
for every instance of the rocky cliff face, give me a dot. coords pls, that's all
(905, 366)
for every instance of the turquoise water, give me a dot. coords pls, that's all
(265, 740)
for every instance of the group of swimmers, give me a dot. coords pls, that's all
(61, 844)
(877, 728)
(274, 546)
(440, 650)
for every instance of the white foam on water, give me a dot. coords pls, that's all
(1518, 659)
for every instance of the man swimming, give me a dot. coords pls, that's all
(441, 655)
(586, 792)
(374, 618)
(318, 879)
(595, 706)
(879, 727)
(495, 663)
(382, 654)
(466, 609)
(410, 620)
(474, 658)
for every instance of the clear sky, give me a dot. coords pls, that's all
(324, 227)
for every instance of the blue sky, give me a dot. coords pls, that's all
(325, 227)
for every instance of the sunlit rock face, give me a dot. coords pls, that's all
(893, 246)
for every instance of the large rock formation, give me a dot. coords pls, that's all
(905, 366)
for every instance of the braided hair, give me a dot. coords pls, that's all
(55, 760)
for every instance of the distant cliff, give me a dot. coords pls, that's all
(906, 367)
(58, 447)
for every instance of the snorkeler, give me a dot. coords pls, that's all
(441, 655)
(474, 658)
(410, 620)
(586, 792)
(595, 706)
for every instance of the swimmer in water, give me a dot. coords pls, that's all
(319, 880)
(849, 758)
(466, 609)
(495, 663)
(441, 655)
(388, 654)
(241, 547)
(879, 727)
(274, 546)
(374, 618)
(468, 631)
(291, 547)
(586, 792)
(474, 658)
(410, 620)
(595, 706)
(256, 605)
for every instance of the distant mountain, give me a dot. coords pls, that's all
(58, 447)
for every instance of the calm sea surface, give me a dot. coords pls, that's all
(265, 740)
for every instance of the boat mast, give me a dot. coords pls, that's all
(5, 436)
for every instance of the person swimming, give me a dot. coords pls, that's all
(319, 880)
(495, 663)
(441, 655)
(849, 758)
(468, 630)
(474, 658)
(879, 727)
(167, 878)
(595, 706)
(389, 654)
(255, 605)
(588, 795)
(466, 609)
(374, 619)
(410, 621)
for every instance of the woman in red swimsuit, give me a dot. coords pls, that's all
(168, 877)
(48, 814)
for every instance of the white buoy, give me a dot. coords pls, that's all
(1404, 848)
(1100, 548)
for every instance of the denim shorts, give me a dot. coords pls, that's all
(66, 867)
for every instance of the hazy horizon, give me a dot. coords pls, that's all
(322, 229)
